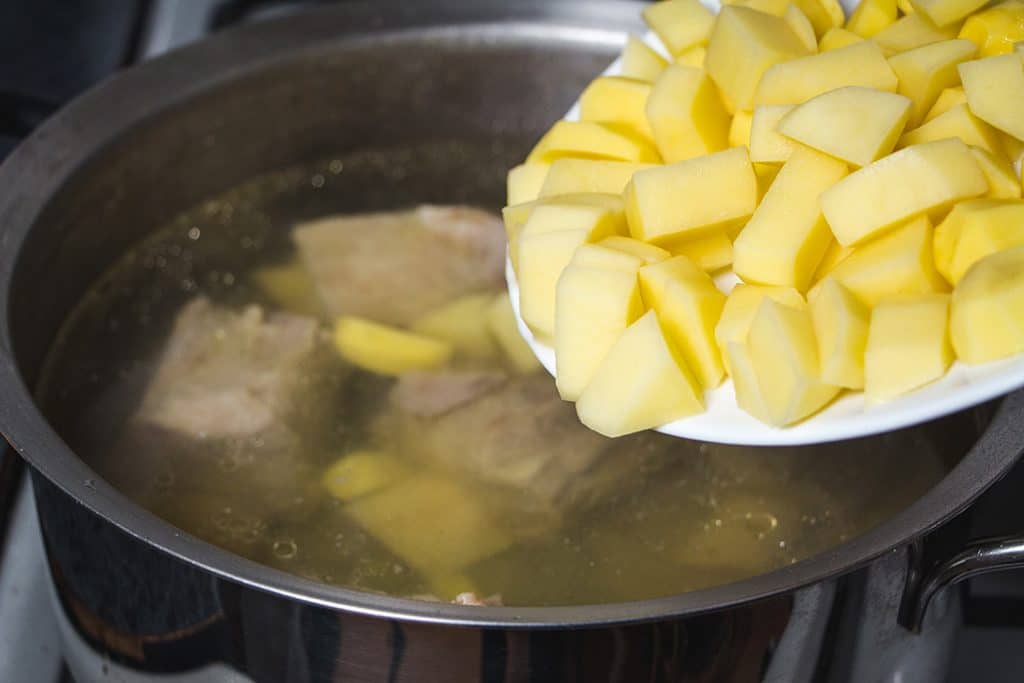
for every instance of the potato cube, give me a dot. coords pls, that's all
(899, 262)
(606, 258)
(591, 140)
(1003, 182)
(975, 229)
(686, 115)
(766, 174)
(836, 38)
(995, 91)
(695, 57)
(905, 7)
(996, 29)
(858, 125)
(766, 144)
(593, 308)
(871, 16)
(834, 255)
(743, 45)
(680, 24)
(691, 196)
(824, 14)
(798, 80)
(987, 313)
(787, 236)
(525, 181)
(926, 71)
(387, 350)
(642, 62)
(740, 307)
(739, 128)
(290, 287)
(583, 176)
(948, 98)
(904, 184)
(776, 8)
(463, 324)
(689, 306)
(908, 345)
(642, 383)
(709, 252)
(501, 321)
(841, 327)
(784, 354)
(958, 122)
(648, 253)
(1013, 147)
(361, 472)
(749, 396)
(912, 31)
(619, 102)
(801, 27)
(517, 215)
(946, 12)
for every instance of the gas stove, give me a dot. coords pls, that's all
(50, 52)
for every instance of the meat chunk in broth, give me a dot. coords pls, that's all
(392, 267)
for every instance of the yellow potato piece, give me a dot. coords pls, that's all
(975, 229)
(606, 258)
(516, 216)
(695, 56)
(798, 80)
(801, 27)
(766, 175)
(689, 307)
(871, 16)
(908, 345)
(787, 236)
(784, 354)
(899, 262)
(1013, 148)
(766, 144)
(904, 184)
(642, 383)
(948, 98)
(912, 31)
(290, 287)
(834, 255)
(856, 124)
(594, 308)
(836, 38)
(576, 176)
(618, 101)
(692, 196)
(648, 253)
(679, 24)
(686, 114)
(905, 7)
(996, 29)
(591, 140)
(387, 350)
(987, 312)
(361, 472)
(926, 71)
(463, 324)
(946, 12)
(774, 7)
(525, 181)
(740, 307)
(501, 321)
(709, 252)
(1003, 182)
(824, 14)
(739, 128)
(841, 328)
(743, 45)
(995, 91)
(642, 62)
(958, 122)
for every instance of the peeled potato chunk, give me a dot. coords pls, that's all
(593, 308)
(680, 24)
(689, 306)
(640, 61)
(525, 181)
(785, 239)
(871, 16)
(605, 257)
(899, 262)
(739, 128)
(945, 12)
(361, 472)
(801, 27)
(948, 98)
(591, 140)
(834, 255)
(996, 29)
(823, 14)
(926, 71)
(908, 345)
(743, 45)
(694, 57)
(912, 31)
(291, 287)
(987, 313)
(958, 122)
(709, 252)
(740, 307)
(387, 350)
(686, 114)
(463, 324)
(856, 124)
(841, 327)
(798, 80)
(906, 183)
(648, 253)
(836, 38)
(642, 383)
(975, 229)
(995, 91)
(576, 176)
(501, 321)
(1003, 182)
(618, 101)
(766, 144)
(692, 196)
(516, 216)
(784, 354)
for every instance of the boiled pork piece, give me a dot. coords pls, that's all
(394, 267)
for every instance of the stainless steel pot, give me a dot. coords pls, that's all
(159, 138)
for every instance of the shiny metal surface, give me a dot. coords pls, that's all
(162, 136)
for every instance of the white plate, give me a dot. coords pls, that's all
(847, 417)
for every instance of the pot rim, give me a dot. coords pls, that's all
(41, 165)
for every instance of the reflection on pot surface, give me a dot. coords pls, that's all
(428, 457)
